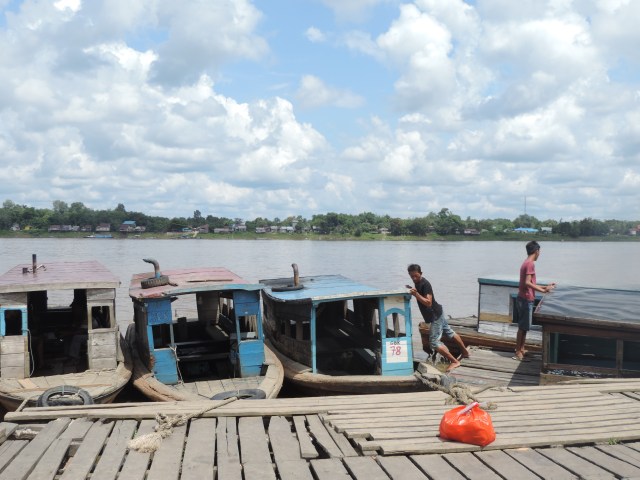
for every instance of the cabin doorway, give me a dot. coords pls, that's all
(58, 332)
(348, 337)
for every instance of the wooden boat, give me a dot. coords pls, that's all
(589, 332)
(336, 336)
(197, 334)
(59, 336)
(494, 326)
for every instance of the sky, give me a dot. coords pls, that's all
(273, 108)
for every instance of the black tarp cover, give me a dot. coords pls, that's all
(569, 301)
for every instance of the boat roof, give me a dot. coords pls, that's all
(190, 280)
(324, 288)
(606, 304)
(57, 276)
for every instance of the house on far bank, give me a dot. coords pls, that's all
(103, 227)
(86, 228)
(15, 227)
(261, 229)
(546, 230)
(383, 230)
(471, 231)
(203, 228)
(127, 226)
(525, 230)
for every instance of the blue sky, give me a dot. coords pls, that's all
(275, 108)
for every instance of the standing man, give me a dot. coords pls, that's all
(527, 289)
(432, 313)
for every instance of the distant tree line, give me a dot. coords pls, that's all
(444, 222)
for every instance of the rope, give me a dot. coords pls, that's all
(150, 442)
(458, 393)
(174, 350)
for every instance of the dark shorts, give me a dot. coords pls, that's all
(524, 313)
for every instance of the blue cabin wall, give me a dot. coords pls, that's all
(397, 353)
(165, 368)
(3, 322)
(248, 356)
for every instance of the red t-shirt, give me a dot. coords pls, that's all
(528, 267)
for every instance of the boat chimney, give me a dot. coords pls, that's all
(34, 263)
(296, 277)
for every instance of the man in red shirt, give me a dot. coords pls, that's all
(527, 289)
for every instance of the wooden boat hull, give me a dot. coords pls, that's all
(317, 384)
(145, 382)
(100, 393)
(471, 337)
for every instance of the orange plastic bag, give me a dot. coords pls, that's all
(467, 424)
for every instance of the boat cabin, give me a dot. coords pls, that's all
(57, 318)
(337, 326)
(589, 332)
(197, 324)
(496, 308)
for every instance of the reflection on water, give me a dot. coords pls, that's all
(452, 267)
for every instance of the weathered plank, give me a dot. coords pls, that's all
(307, 450)
(470, 466)
(254, 443)
(200, 451)
(400, 468)
(48, 465)
(258, 471)
(364, 468)
(324, 440)
(436, 467)
(329, 469)
(283, 443)
(22, 466)
(82, 462)
(622, 452)
(9, 450)
(114, 451)
(136, 463)
(539, 464)
(294, 470)
(608, 462)
(228, 453)
(506, 465)
(575, 464)
(165, 464)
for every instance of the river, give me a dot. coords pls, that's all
(452, 267)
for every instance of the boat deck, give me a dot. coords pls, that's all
(209, 388)
(97, 382)
(586, 430)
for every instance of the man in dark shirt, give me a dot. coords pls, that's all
(433, 314)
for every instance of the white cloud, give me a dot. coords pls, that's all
(313, 92)
(315, 35)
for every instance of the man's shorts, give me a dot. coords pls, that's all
(439, 327)
(524, 313)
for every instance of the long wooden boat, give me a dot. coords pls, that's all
(336, 336)
(494, 326)
(59, 336)
(589, 332)
(197, 334)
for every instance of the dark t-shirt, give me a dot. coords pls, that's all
(429, 314)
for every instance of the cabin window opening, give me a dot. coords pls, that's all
(396, 327)
(100, 316)
(631, 355)
(512, 309)
(161, 335)
(12, 322)
(581, 350)
(248, 326)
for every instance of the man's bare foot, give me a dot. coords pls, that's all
(453, 365)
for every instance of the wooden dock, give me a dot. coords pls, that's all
(587, 430)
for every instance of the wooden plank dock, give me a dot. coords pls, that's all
(586, 430)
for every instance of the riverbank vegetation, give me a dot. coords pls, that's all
(26, 221)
